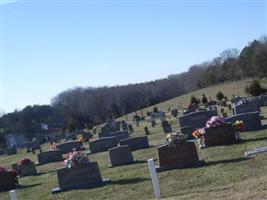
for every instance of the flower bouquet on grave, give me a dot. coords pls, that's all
(239, 126)
(53, 146)
(25, 161)
(76, 158)
(2, 170)
(199, 135)
(174, 139)
(215, 121)
(13, 173)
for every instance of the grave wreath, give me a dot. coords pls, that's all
(25, 161)
(76, 158)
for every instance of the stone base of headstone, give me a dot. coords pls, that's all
(221, 135)
(176, 157)
(79, 177)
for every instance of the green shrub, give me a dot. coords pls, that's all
(255, 88)
(219, 96)
(194, 100)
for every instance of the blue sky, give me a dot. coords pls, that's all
(50, 46)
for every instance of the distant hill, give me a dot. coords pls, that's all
(85, 107)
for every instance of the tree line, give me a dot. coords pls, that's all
(84, 107)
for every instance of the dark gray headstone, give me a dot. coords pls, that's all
(124, 126)
(251, 120)
(196, 119)
(261, 100)
(187, 130)
(136, 143)
(120, 155)
(102, 144)
(11, 151)
(79, 177)
(120, 135)
(50, 156)
(107, 130)
(179, 156)
(33, 145)
(8, 181)
(27, 170)
(167, 128)
(69, 146)
(250, 106)
(192, 108)
(236, 99)
(220, 135)
(174, 112)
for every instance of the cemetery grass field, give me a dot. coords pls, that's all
(227, 174)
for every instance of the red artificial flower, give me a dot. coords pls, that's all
(25, 161)
(2, 169)
(14, 173)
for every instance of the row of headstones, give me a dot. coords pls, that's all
(115, 126)
(99, 145)
(192, 121)
(30, 145)
(169, 157)
(89, 175)
(9, 151)
(245, 105)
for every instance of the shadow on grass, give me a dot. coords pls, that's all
(233, 160)
(29, 186)
(139, 162)
(128, 181)
(253, 139)
(198, 192)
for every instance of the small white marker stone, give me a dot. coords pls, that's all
(154, 177)
(13, 195)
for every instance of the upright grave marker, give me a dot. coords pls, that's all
(195, 120)
(251, 120)
(49, 156)
(69, 146)
(136, 143)
(249, 106)
(178, 156)
(79, 177)
(120, 155)
(220, 135)
(102, 144)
